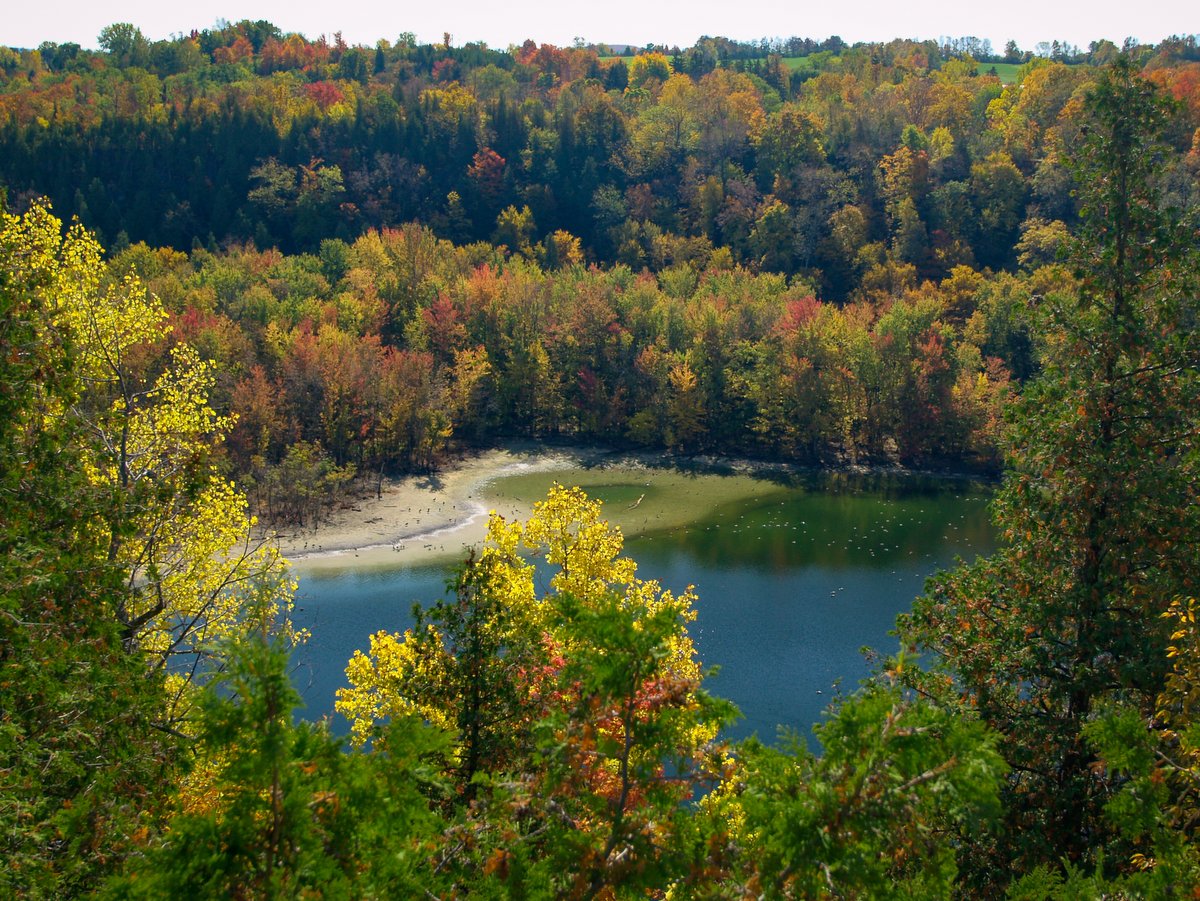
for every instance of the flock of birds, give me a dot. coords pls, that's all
(881, 537)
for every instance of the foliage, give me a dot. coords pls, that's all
(411, 346)
(526, 741)
(866, 817)
(179, 531)
(863, 184)
(79, 758)
(287, 813)
(1098, 506)
(579, 716)
(122, 571)
(243, 133)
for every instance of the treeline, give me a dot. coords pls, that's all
(376, 356)
(835, 165)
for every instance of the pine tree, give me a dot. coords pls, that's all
(1099, 507)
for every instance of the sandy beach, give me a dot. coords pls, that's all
(437, 518)
(420, 519)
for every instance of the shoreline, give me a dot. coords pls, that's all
(421, 518)
(438, 517)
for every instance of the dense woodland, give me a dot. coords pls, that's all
(823, 257)
(328, 263)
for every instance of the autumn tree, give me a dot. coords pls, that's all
(578, 713)
(1099, 507)
(178, 530)
(80, 761)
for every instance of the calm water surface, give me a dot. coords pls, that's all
(793, 583)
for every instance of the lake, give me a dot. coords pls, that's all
(795, 577)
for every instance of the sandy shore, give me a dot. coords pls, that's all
(424, 518)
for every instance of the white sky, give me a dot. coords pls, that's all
(499, 23)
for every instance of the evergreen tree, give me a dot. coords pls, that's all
(1099, 507)
(278, 810)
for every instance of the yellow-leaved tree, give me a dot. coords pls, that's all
(578, 712)
(180, 531)
(566, 530)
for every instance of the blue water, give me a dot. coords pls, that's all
(792, 585)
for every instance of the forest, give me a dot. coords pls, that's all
(244, 275)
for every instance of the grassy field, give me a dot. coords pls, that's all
(796, 63)
(1006, 71)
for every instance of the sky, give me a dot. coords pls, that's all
(501, 23)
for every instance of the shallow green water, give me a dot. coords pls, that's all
(794, 577)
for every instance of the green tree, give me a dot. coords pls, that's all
(1099, 507)
(773, 238)
(283, 811)
(471, 658)
(865, 818)
(126, 44)
(319, 195)
(274, 194)
(999, 192)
